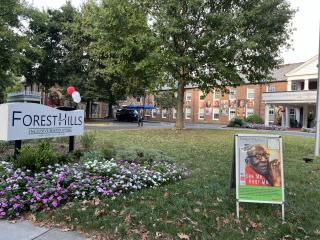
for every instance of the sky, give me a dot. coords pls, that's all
(305, 38)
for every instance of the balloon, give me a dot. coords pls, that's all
(70, 90)
(76, 97)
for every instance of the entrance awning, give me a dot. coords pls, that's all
(136, 107)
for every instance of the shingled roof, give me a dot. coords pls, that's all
(280, 72)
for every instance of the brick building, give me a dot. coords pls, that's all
(241, 102)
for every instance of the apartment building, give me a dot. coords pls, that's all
(241, 102)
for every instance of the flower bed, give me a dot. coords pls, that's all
(55, 185)
(263, 127)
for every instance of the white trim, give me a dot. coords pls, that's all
(164, 111)
(200, 95)
(199, 113)
(187, 93)
(247, 111)
(214, 113)
(186, 117)
(153, 113)
(174, 113)
(291, 73)
(250, 93)
(235, 113)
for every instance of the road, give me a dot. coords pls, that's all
(114, 125)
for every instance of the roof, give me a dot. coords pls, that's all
(278, 74)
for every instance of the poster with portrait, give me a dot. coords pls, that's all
(224, 107)
(259, 168)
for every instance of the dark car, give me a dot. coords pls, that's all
(127, 115)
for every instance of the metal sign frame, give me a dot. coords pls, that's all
(237, 171)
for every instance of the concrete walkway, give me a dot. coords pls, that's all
(25, 230)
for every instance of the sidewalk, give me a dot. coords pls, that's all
(25, 230)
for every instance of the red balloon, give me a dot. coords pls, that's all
(70, 90)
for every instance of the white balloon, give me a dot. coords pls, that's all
(76, 97)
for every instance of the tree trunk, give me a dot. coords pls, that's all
(110, 110)
(88, 110)
(180, 102)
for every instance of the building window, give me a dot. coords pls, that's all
(294, 86)
(174, 113)
(217, 94)
(201, 95)
(271, 115)
(188, 96)
(271, 88)
(201, 113)
(188, 113)
(232, 94)
(154, 113)
(250, 93)
(164, 113)
(232, 113)
(249, 112)
(216, 113)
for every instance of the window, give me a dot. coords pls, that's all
(138, 99)
(250, 93)
(188, 113)
(201, 113)
(164, 113)
(217, 94)
(216, 113)
(294, 86)
(271, 88)
(232, 113)
(232, 94)
(201, 95)
(188, 96)
(154, 113)
(174, 113)
(249, 112)
(271, 114)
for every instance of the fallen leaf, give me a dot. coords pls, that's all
(183, 236)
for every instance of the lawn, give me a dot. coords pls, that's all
(200, 206)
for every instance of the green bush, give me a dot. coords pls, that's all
(93, 155)
(142, 156)
(108, 150)
(87, 140)
(254, 119)
(35, 157)
(236, 122)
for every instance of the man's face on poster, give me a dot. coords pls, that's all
(258, 158)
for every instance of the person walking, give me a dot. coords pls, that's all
(140, 119)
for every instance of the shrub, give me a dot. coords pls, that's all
(3, 145)
(88, 140)
(254, 119)
(141, 156)
(108, 150)
(236, 122)
(92, 156)
(34, 158)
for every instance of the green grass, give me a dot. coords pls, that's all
(202, 206)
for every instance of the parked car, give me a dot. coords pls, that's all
(127, 115)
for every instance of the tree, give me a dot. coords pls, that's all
(216, 44)
(120, 49)
(10, 42)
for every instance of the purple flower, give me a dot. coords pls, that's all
(59, 198)
(44, 201)
(32, 206)
(16, 205)
(55, 203)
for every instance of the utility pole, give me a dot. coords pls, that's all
(317, 147)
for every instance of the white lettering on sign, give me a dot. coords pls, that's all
(20, 121)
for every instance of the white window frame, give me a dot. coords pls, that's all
(213, 112)
(217, 94)
(235, 113)
(251, 110)
(232, 94)
(188, 94)
(250, 93)
(174, 113)
(164, 111)
(153, 113)
(201, 118)
(271, 115)
(271, 88)
(187, 113)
